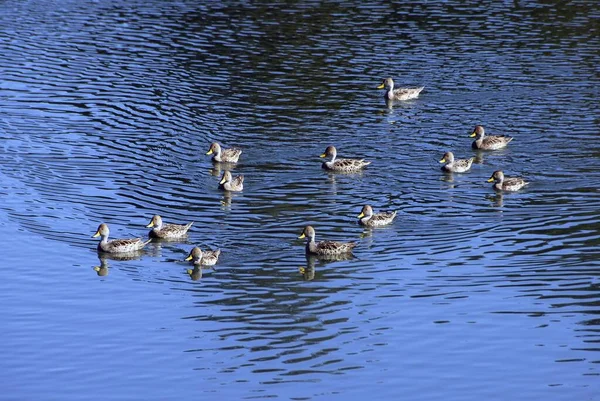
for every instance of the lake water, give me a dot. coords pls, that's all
(107, 109)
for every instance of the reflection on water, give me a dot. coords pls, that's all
(195, 273)
(102, 270)
(108, 109)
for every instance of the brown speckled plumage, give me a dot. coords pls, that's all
(325, 248)
(509, 184)
(455, 165)
(161, 230)
(117, 245)
(229, 183)
(399, 93)
(203, 258)
(224, 155)
(369, 219)
(488, 142)
(342, 165)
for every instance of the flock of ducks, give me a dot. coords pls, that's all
(366, 217)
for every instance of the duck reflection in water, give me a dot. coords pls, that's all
(123, 256)
(496, 199)
(226, 199)
(478, 158)
(195, 273)
(218, 168)
(102, 270)
(309, 272)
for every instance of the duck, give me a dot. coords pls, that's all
(342, 165)
(117, 245)
(489, 142)
(509, 184)
(400, 93)
(228, 183)
(203, 258)
(324, 248)
(455, 165)
(224, 155)
(369, 219)
(160, 230)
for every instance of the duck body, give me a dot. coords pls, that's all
(369, 219)
(324, 248)
(455, 165)
(117, 245)
(167, 231)
(488, 142)
(229, 183)
(342, 165)
(399, 93)
(203, 258)
(506, 184)
(230, 155)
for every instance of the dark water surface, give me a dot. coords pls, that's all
(107, 109)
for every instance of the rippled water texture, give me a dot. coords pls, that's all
(107, 109)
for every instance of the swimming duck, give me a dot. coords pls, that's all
(117, 245)
(367, 218)
(203, 258)
(224, 155)
(342, 165)
(455, 166)
(228, 183)
(400, 93)
(489, 142)
(160, 230)
(325, 248)
(502, 183)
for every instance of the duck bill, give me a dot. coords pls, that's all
(323, 155)
(381, 86)
(188, 258)
(443, 161)
(150, 225)
(491, 180)
(360, 216)
(96, 235)
(209, 152)
(223, 181)
(473, 134)
(302, 236)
